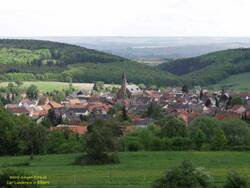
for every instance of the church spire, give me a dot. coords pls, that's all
(124, 79)
(122, 93)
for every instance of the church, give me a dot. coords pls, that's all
(128, 90)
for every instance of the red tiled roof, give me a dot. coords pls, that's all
(74, 101)
(55, 104)
(99, 106)
(46, 107)
(40, 113)
(77, 129)
(76, 105)
(18, 110)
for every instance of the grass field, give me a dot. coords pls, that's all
(50, 86)
(152, 63)
(239, 82)
(137, 169)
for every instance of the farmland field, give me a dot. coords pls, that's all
(239, 82)
(137, 169)
(50, 86)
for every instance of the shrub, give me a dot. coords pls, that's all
(207, 125)
(185, 176)
(237, 132)
(166, 144)
(234, 180)
(134, 146)
(131, 143)
(219, 141)
(199, 139)
(104, 158)
(181, 143)
(101, 144)
(156, 144)
(172, 127)
(239, 148)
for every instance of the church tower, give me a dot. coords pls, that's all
(122, 93)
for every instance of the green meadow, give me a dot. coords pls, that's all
(137, 169)
(238, 82)
(50, 86)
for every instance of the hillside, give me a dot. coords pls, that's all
(238, 82)
(31, 60)
(210, 68)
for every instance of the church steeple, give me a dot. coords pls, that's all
(122, 93)
(124, 79)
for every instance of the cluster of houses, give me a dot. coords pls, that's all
(83, 104)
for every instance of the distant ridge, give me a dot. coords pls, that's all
(30, 60)
(210, 68)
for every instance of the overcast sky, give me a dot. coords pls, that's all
(124, 18)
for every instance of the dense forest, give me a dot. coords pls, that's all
(51, 61)
(210, 68)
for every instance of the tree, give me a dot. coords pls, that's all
(184, 89)
(124, 115)
(52, 117)
(234, 180)
(237, 101)
(35, 137)
(32, 92)
(68, 79)
(19, 83)
(142, 86)
(64, 141)
(101, 144)
(154, 111)
(9, 131)
(199, 139)
(99, 86)
(208, 103)
(172, 127)
(219, 140)
(207, 124)
(237, 132)
(185, 176)
(153, 87)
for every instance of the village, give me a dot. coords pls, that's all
(83, 105)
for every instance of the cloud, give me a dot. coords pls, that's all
(124, 17)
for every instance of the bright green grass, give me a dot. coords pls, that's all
(137, 169)
(22, 56)
(50, 86)
(239, 82)
(150, 63)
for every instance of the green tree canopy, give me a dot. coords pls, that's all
(219, 140)
(172, 127)
(207, 124)
(237, 132)
(101, 143)
(32, 92)
(185, 176)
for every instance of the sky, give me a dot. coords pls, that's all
(30, 18)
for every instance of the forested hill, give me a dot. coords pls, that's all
(62, 53)
(210, 68)
(51, 61)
